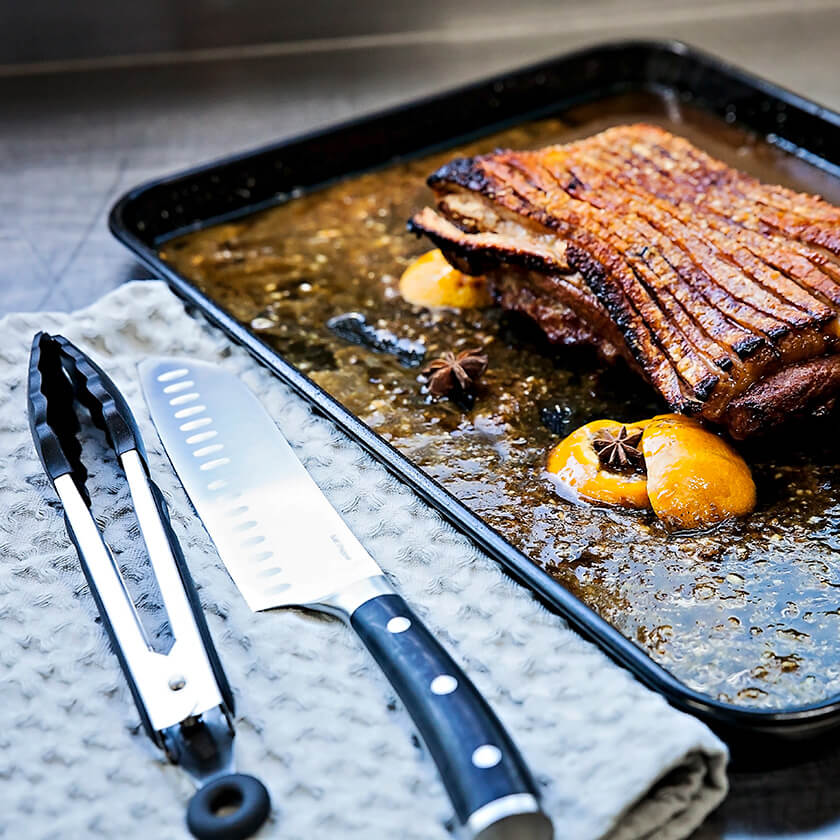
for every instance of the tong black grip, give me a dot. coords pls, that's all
(59, 374)
(101, 397)
(52, 419)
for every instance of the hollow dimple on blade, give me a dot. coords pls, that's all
(281, 540)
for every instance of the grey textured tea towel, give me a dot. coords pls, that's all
(315, 719)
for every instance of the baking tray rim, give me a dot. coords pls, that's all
(731, 719)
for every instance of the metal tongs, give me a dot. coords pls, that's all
(183, 697)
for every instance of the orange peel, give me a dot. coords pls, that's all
(431, 281)
(578, 471)
(695, 479)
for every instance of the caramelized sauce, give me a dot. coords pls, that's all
(749, 613)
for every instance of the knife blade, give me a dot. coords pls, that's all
(285, 545)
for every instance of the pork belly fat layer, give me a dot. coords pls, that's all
(708, 282)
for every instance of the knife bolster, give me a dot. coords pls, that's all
(346, 601)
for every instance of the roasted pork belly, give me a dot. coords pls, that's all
(723, 292)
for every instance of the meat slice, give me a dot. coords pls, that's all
(721, 291)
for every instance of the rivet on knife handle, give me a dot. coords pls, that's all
(484, 774)
(284, 545)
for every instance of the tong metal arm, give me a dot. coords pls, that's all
(172, 687)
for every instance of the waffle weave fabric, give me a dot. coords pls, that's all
(316, 721)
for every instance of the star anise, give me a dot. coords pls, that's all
(451, 373)
(618, 448)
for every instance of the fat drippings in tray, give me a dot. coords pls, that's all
(748, 613)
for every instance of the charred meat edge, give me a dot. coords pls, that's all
(713, 286)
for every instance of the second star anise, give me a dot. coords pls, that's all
(450, 372)
(618, 448)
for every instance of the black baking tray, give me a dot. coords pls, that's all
(245, 183)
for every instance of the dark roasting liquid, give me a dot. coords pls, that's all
(749, 613)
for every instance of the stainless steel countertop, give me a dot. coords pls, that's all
(72, 141)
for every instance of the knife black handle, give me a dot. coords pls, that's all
(491, 789)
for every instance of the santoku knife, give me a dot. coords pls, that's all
(285, 545)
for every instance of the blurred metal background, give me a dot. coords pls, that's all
(98, 95)
(61, 31)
